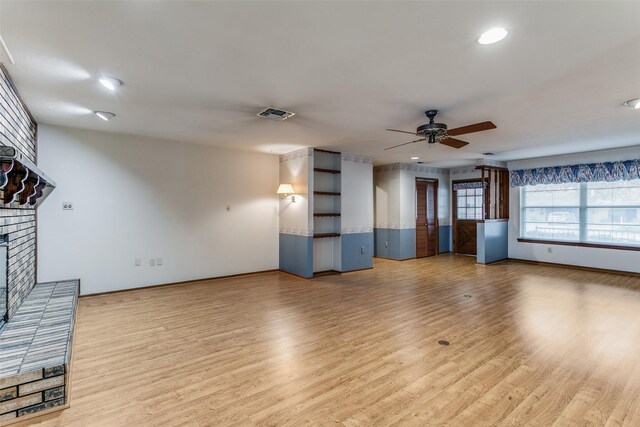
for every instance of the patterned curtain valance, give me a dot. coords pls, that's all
(469, 185)
(591, 172)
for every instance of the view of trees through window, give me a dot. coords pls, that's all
(594, 212)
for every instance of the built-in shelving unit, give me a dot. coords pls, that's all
(326, 210)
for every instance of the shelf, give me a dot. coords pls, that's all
(326, 214)
(333, 171)
(324, 235)
(326, 193)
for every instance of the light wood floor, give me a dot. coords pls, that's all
(532, 346)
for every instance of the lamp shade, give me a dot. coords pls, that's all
(285, 189)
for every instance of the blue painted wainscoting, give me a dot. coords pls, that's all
(296, 254)
(353, 257)
(444, 239)
(401, 243)
(492, 241)
(395, 243)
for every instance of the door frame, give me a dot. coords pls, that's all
(454, 211)
(415, 213)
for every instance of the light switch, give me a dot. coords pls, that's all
(138, 262)
(158, 261)
(152, 262)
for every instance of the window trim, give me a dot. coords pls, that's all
(582, 244)
(582, 223)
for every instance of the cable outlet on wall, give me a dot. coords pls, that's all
(158, 261)
(138, 262)
(152, 262)
(67, 206)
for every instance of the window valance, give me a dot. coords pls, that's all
(589, 172)
(469, 185)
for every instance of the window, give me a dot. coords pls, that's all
(469, 203)
(595, 212)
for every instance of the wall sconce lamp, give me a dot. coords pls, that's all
(286, 190)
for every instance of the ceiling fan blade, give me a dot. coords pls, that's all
(406, 143)
(471, 128)
(403, 131)
(455, 143)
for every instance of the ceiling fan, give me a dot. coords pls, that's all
(437, 132)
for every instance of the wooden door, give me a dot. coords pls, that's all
(468, 210)
(426, 218)
(466, 237)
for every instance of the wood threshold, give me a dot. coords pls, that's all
(581, 244)
(576, 267)
(186, 282)
(322, 170)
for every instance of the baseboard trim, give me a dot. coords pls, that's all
(294, 274)
(359, 269)
(575, 267)
(326, 273)
(394, 259)
(185, 282)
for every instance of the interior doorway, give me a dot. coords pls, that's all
(426, 217)
(468, 205)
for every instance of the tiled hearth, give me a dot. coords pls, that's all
(35, 351)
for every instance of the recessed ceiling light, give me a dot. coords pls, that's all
(493, 35)
(488, 154)
(415, 158)
(633, 103)
(105, 115)
(110, 83)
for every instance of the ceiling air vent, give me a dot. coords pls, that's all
(275, 114)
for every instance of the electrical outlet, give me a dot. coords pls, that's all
(138, 262)
(549, 250)
(152, 262)
(67, 206)
(362, 250)
(158, 261)
(386, 244)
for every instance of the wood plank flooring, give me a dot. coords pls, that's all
(529, 345)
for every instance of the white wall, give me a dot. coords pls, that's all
(295, 217)
(137, 197)
(572, 255)
(408, 194)
(357, 194)
(386, 181)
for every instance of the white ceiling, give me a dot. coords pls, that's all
(200, 71)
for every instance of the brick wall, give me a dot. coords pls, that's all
(19, 130)
(32, 392)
